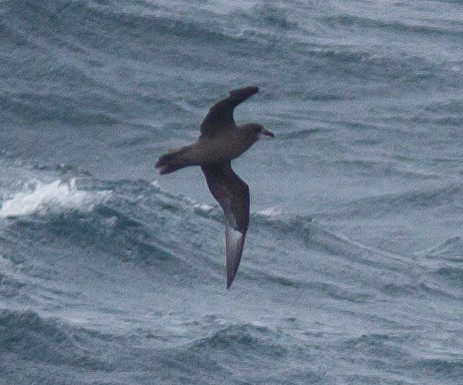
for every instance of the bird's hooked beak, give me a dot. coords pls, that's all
(267, 133)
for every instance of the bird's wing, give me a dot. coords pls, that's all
(220, 115)
(233, 196)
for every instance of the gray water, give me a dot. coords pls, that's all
(352, 271)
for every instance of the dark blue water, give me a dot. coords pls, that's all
(352, 271)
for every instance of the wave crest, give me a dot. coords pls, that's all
(57, 196)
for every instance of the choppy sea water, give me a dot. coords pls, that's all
(352, 271)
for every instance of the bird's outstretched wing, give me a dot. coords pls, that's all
(233, 196)
(220, 115)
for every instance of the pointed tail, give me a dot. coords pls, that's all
(172, 161)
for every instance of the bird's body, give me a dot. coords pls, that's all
(221, 141)
(230, 145)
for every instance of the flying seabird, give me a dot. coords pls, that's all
(222, 140)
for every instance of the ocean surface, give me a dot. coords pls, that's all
(352, 272)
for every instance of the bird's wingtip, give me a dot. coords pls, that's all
(229, 282)
(245, 91)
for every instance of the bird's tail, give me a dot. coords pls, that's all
(172, 161)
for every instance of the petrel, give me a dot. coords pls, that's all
(222, 140)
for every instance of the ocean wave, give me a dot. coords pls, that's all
(33, 338)
(265, 15)
(444, 29)
(375, 343)
(372, 207)
(444, 369)
(10, 283)
(85, 51)
(107, 63)
(372, 65)
(228, 350)
(299, 134)
(451, 274)
(389, 168)
(240, 338)
(321, 289)
(130, 220)
(139, 222)
(110, 25)
(58, 196)
(451, 249)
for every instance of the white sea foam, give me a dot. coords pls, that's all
(202, 207)
(55, 197)
(156, 184)
(270, 213)
(198, 207)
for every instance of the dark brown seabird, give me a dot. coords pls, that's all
(222, 140)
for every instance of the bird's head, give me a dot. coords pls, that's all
(258, 130)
